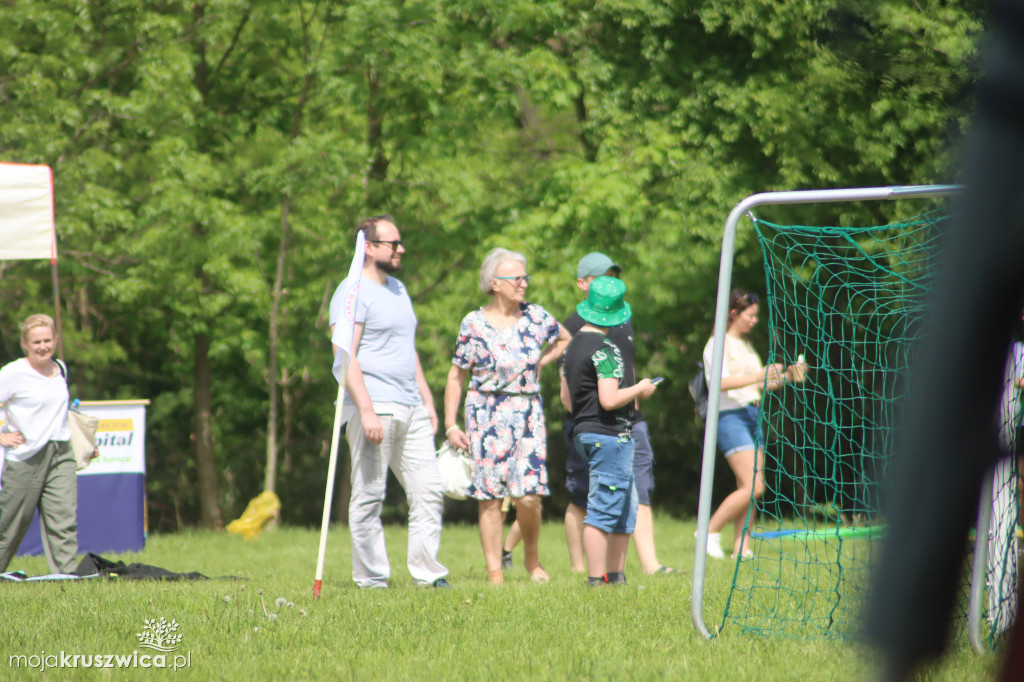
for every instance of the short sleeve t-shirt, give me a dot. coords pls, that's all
(740, 358)
(622, 336)
(387, 350)
(592, 356)
(34, 405)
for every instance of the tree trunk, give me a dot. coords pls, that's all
(206, 466)
(589, 146)
(377, 173)
(270, 474)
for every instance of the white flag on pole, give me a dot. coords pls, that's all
(26, 212)
(345, 326)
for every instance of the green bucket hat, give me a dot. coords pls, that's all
(605, 306)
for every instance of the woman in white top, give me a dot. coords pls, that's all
(743, 377)
(38, 464)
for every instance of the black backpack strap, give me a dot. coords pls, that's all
(63, 370)
(698, 385)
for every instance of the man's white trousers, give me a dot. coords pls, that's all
(408, 449)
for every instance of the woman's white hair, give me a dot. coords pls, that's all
(492, 261)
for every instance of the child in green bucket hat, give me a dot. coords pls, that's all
(602, 416)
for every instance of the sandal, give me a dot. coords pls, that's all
(665, 570)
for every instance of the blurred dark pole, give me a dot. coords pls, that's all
(950, 436)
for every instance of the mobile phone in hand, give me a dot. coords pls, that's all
(657, 380)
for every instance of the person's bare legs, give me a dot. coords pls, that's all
(734, 507)
(740, 545)
(643, 539)
(606, 552)
(528, 515)
(490, 538)
(513, 537)
(618, 543)
(574, 536)
(595, 545)
(751, 481)
(514, 534)
(737, 522)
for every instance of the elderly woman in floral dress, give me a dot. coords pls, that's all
(501, 348)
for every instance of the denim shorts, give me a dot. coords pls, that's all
(612, 501)
(577, 478)
(643, 463)
(738, 430)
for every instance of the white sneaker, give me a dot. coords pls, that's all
(715, 546)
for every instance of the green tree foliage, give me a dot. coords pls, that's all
(211, 159)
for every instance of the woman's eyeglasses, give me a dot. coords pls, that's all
(518, 280)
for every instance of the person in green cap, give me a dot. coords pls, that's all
(602, 414)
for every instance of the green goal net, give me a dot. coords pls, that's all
(851, 302)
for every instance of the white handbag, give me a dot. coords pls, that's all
(83, 430)
(457, 469)
(83, 437)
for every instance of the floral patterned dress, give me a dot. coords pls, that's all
(504, 410)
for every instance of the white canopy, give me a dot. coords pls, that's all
(26, 212)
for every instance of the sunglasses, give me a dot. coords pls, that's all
(518, 280)
(394, 243)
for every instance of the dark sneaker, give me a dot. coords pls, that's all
(440, 582)
(506, 560)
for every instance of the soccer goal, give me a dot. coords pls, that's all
(850, 300)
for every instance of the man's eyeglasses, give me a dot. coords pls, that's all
(393, 243)
(518, 280)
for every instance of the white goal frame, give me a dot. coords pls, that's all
(718, 348)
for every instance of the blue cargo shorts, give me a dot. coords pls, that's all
(612, 499)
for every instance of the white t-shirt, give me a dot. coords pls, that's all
(35, 405)
(740, 358)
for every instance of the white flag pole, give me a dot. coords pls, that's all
(342, 338)
(329, 493)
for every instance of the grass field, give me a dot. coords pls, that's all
(237, 630)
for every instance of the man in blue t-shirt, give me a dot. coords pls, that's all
(390, 416)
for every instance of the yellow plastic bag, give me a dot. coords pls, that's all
(260, 510)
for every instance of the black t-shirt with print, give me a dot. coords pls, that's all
(590, 356)
(622, 336)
